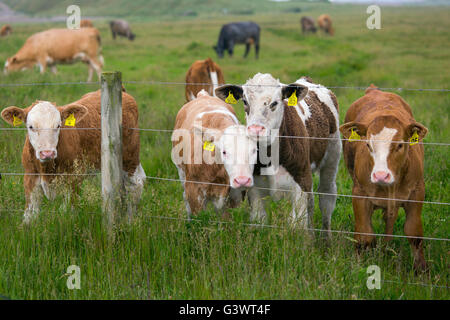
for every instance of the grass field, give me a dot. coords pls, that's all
(157, 258)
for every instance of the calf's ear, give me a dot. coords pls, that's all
(9, 113)
(300, 91)
(416, 127)
(224, 91)
(347, 128)
(79, 111)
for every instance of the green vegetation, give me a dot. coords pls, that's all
(160, 258)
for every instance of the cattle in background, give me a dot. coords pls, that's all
(86, 23)
(206, 72)
(49, 149)
(238, 33)
(5, 30)
(307, 24)
(382, 168)
(59, 46)
(269, 117)
(227, 161)
(325, 24)
(121, 28)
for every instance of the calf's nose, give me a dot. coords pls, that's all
(243, 181)
(381, 176)
(47, 154)
(256, 129)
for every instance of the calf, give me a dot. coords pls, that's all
(383, 164)
(54, 46)
(5, 30)
(225, 166)
(121, 28)
(325, 24)
(307, 24)
(206, 72)
(49, 149)
(268, 117)
(238, 32)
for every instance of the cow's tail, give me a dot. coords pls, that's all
(99, 53)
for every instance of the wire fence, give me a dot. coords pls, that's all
(181, 83)
(260, 225)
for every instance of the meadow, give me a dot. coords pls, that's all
(160, 255)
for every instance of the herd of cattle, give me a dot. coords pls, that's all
(298, 124)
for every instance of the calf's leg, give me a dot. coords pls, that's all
(413, 228)
(134, 185)
(33, 196)
(363, 210)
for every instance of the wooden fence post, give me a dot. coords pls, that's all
(112, 173)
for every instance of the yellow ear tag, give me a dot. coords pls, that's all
(354, 136)
(292, 102)
(414, 139)
(209, 146)
(16, 121)
(230, 99)
(70, 121)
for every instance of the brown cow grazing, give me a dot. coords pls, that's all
(203, 71)
(49, 149)
(324, 22)
(5, 30)
(313, 113)
(48, 48)
(380, 167)
(86, 23)
(307, 24)
(227, 157)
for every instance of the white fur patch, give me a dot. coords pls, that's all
(223, 111)
(380, 144)
(42, 127)
(215, 81)
(322, 93)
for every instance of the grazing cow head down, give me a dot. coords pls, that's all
(235, 150)
(385, 156)
(219, 51)
(43, 121)
(15, 63)
(263, 98)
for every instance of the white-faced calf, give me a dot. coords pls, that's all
(383, 164)
(313, 114)
(210, 146)
(51, 147)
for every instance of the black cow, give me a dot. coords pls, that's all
(238, 32)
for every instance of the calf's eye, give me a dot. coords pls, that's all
(273, 105)
(370, 148)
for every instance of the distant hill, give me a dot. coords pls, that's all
(156, 8)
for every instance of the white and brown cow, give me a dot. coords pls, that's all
(226, 166)
(383, 164)
(268, 117)
(59, 46)
(51, 147)
(203, 75)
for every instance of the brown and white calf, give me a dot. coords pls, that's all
(50, 148)
(385, 165)
(59, 46)
(229, 164)
(206, 72)
(268, 117)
